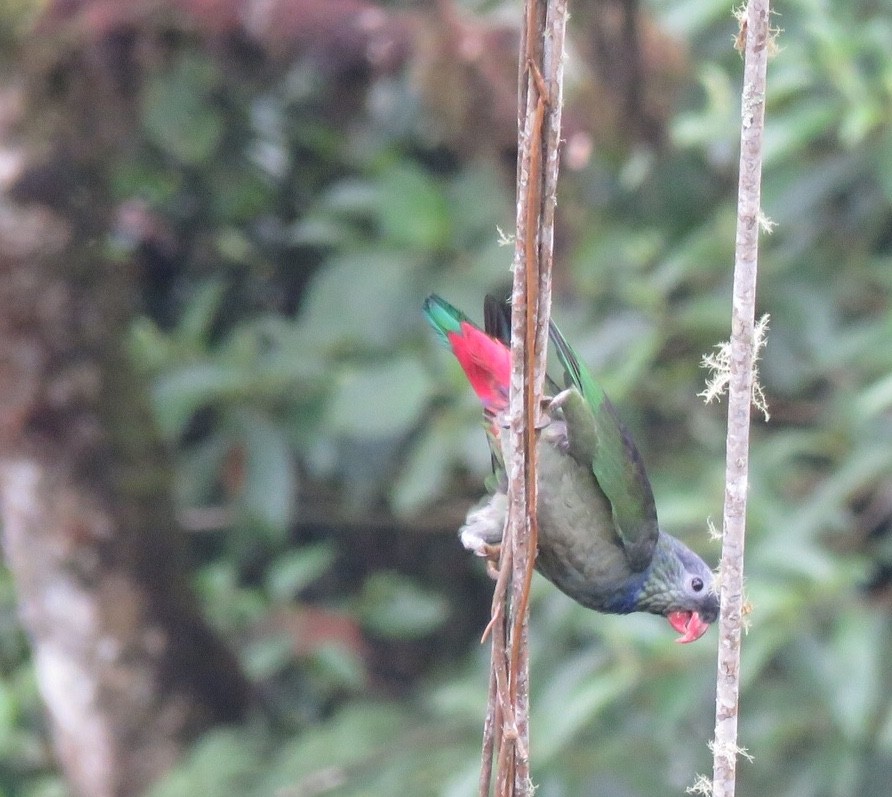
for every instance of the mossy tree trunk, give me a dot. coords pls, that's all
(127, 668)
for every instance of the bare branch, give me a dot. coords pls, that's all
(755, 35)
(539, 117)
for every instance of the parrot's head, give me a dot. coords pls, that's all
(681, 587)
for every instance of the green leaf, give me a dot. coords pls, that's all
(573, 698)
(271, 475)
(358, 731)
(351, 197)
(338, 666)
(882, 158)
(291, 572)
(266, 656)
(394, 605)
(441, 445)
(150, 349)
(479, 205)
(875, 398)
(791, 134)
(178, 111)
(412, 209)
(194, 326)
(219, 763)
(855, 669)
(360, 300)
(227, 604)
(179, 392)
(380, 400)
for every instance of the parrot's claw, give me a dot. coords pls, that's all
(493, 552)
(559, 400)
(482, 531)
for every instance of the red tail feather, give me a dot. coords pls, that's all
(486, 362)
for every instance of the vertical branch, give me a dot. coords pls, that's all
(755, 29)
(506, 730)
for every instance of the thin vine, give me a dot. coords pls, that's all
(506, 744)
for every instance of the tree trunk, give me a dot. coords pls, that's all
(128, 670)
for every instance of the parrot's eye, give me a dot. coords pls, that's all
(697, 584)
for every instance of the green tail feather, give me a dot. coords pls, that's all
(443, 317)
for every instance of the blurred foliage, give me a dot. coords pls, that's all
(287, 232)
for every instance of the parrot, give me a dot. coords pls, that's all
(599, 540)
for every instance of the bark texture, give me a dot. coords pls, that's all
(506, 747)
(127, 669)
(755, 33)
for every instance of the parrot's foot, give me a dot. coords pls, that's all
(489, 551)
(493, 556)
(560, 399)
(477, 544)
(482, 532)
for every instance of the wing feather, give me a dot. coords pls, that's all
(598, 439)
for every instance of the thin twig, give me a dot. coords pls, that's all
(755, 29)
(488, 738)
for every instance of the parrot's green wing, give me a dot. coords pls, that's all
(597, 438)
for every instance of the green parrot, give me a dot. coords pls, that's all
(599, 539)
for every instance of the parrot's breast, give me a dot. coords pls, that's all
(579, 550)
